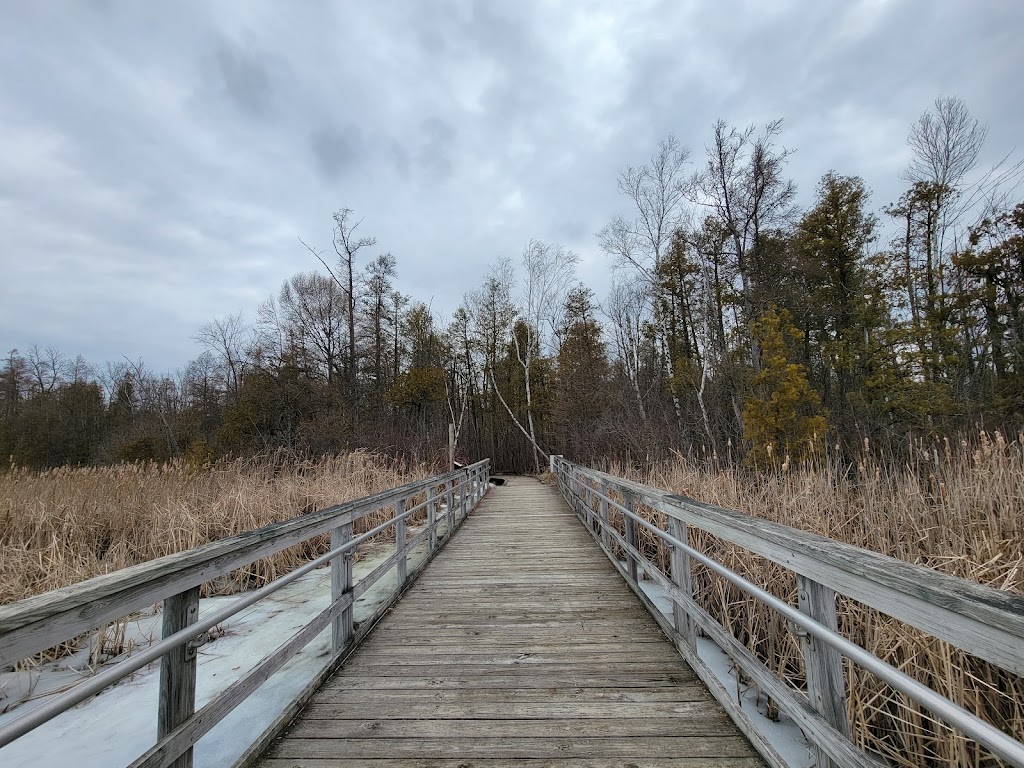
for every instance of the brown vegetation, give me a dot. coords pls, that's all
(64, 525)
(956, 508)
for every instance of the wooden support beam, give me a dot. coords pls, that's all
(463, 489)
(450, 502)
(602, 506)
(432, 519)
(630, 531)
(682, 577)
(341, 585)
(400, 543)
(823, 664)
(177, 701)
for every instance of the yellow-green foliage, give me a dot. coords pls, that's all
(783, 418)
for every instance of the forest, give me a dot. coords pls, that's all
(739, 328)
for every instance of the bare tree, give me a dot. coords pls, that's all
(346, 245)
(744, 186)
(227, 338)
(946, 144)
(46, 367)
(313, 308)
(627, 308)
(659, 192)
(548, 273)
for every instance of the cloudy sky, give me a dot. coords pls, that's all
(159, 160)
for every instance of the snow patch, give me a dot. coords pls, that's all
(783, 734)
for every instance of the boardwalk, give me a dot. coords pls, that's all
(519, 645)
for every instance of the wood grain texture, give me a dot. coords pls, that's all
(519, 645)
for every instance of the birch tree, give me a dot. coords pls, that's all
(548, 272)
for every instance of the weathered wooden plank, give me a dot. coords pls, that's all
(634, 728)
(483, 644)
(548, 682)
(525, 748)
(545, 710)
(357, 697)
(498, 632)
(660, 655)
(359, 667)
(587, 762)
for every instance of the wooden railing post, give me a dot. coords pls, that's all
(400, 543)
(177, 701)
(630, 536)
(603, 507)
(341, 585)
(577, 502)
(432, 519)
(450, 503)
(682, 578)
(823, 664)
(463, 490)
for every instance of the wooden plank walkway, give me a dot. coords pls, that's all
(519, 645)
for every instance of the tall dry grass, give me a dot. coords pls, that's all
(65, 525)
(956, 508)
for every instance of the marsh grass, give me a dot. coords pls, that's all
(65, 525)
(958, 508)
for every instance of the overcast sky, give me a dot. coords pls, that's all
(159, 160)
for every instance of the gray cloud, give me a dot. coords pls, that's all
(337, 150)
(437, 143)
(245, 78)
(158, 164)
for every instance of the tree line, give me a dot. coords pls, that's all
(737, 327)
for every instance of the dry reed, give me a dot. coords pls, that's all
(956, 508)
(65, 525)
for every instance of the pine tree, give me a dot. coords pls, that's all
(783, 419)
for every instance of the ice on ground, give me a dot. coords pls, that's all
(783, 734)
